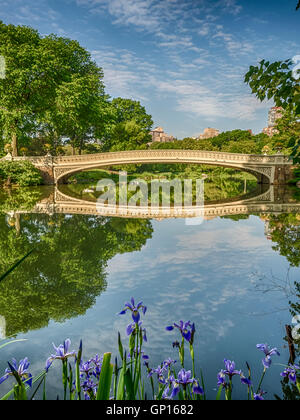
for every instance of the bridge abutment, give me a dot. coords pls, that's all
(283, 174)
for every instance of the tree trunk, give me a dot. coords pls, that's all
(80, 146)
(14, 144)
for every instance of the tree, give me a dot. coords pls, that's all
(298, 5)
(77, 111)
(45, 76)
(128, 110)
(230, 136)
(130, 127)
(128, 135)
(288, 133)
(24, 81)
(278, 81)
(275, 81)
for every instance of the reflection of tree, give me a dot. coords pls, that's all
(285, 232)
(66, 273)
(219, 185)
(19, 199)
(289, 390)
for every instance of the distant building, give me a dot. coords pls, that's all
(209, 133)
(269, 131)
(158, 135)
(275, 114)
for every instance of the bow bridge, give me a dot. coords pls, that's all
(275, 169)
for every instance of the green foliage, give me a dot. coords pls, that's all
(19, 199)
(106, 374)
(128, 135)
(285, 234)
(52, 87)
(129, 128)
(59, 282)
(288, 136)
(235, 141)
(3, 276)
(21, 173)
(275, 81)
(128, 110)
(221, 184)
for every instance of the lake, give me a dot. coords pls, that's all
(234, 273)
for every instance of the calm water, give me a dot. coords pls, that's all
(234, 277)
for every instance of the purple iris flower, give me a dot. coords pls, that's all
(291, 373)
(259, 396)
(134, 309)
(160, 371)
(86, 368)
(89, 388)
(184, 379)
(267, 361)
(62, 353)
(187, 330)
(139, 352)
(169, 362)
(245, 381)
(230, 371)
(131, 328)
(91, 368)
(21, 370)
(197, 389)
(166, 394)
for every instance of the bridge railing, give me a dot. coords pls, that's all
(156, 154)
(190, 154)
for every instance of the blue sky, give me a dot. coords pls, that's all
(184, 60)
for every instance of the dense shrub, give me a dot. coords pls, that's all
(23, 174)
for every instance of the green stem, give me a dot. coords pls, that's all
(193, 359)
(261, 381)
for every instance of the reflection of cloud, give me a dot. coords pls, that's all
(200, 274)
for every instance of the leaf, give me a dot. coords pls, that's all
(219, 393)
(121, 383)
(105, 379)
(129, 386)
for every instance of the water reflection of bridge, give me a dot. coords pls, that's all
(264, 200)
